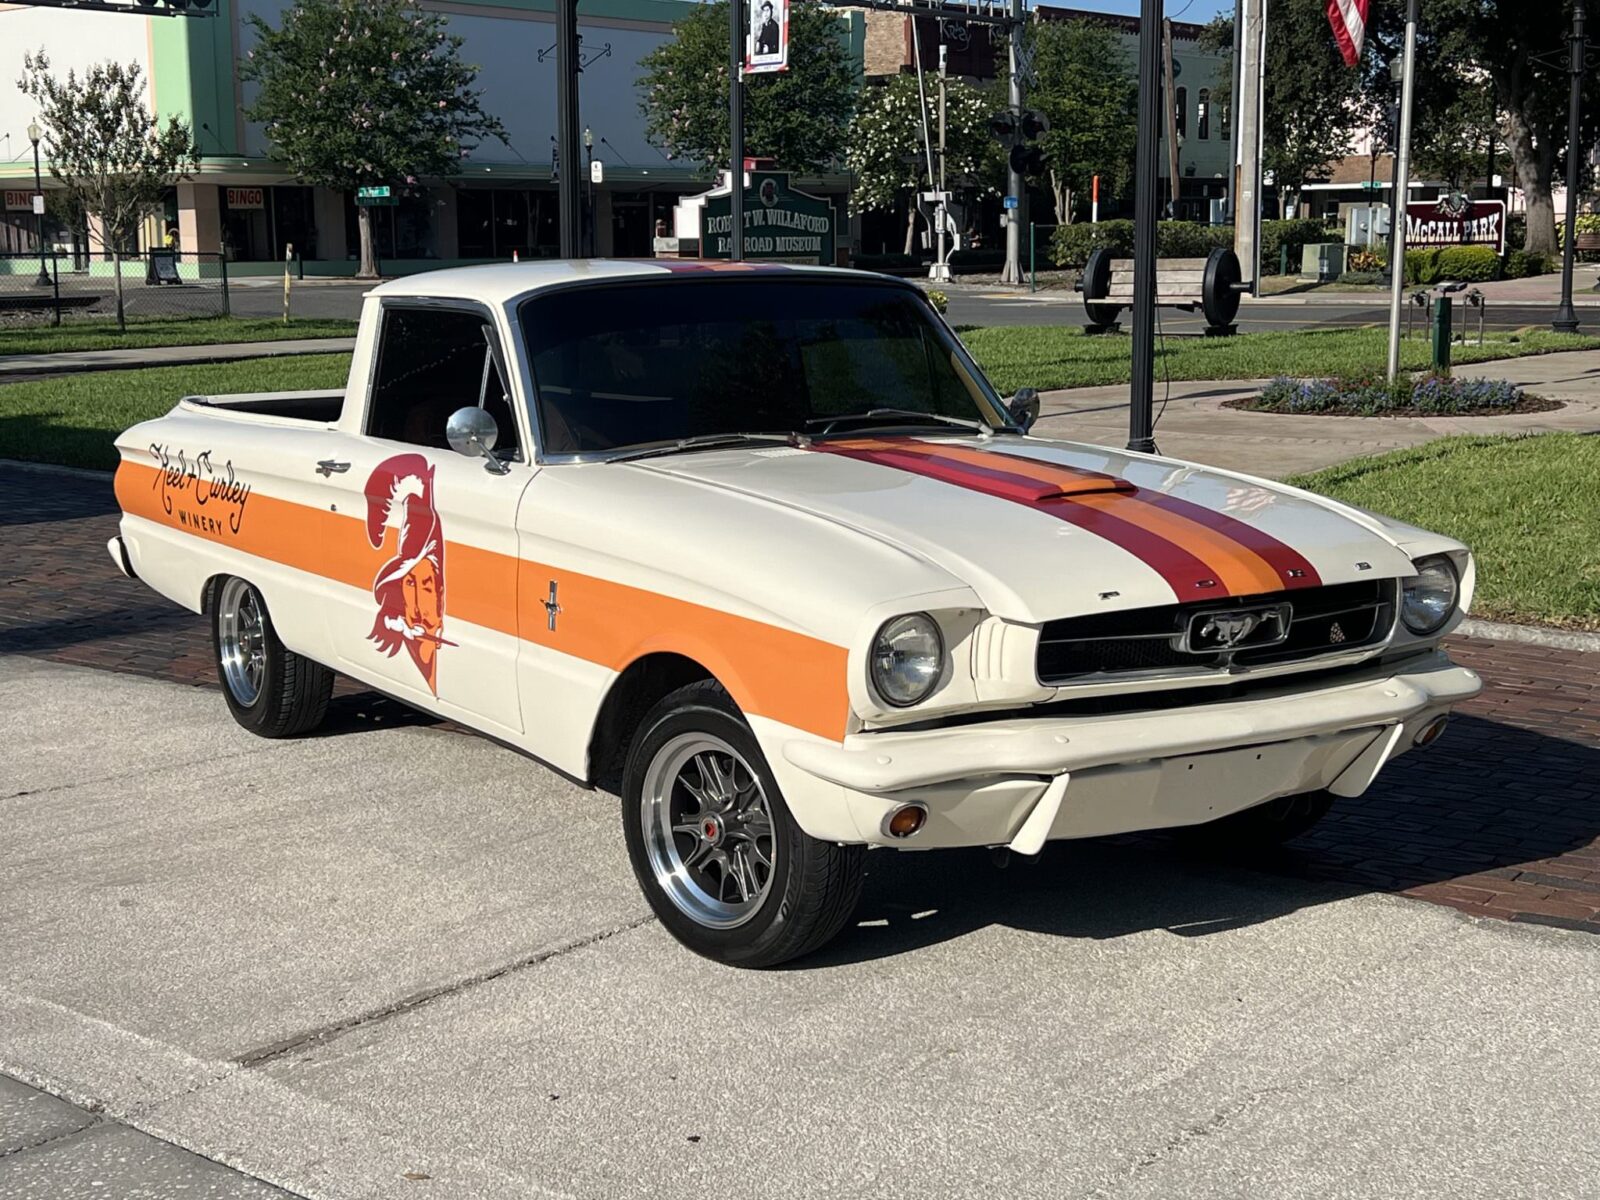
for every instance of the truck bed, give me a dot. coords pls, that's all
(322, 408)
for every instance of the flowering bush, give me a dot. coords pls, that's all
(1372, 395)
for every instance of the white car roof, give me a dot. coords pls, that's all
(501, 283)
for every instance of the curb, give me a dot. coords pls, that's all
(39, 468)
(1530, 635)
(18, 373)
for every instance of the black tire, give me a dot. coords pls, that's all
(290, 691)
(811, 888)
(1260, 828)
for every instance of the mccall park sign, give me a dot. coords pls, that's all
(1456, 222)
(779, 223)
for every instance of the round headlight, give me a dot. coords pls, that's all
(1430, 595)
(907, 658)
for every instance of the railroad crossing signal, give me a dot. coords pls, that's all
(1019, 133)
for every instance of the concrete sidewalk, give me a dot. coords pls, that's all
(1193, 424)
(73, 361)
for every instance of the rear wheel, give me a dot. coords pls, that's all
(713, 845)
(1262, 827)
(272, 691)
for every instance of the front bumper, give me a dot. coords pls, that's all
(1021, 781)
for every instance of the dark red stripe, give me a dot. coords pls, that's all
(1184, 573)
(1292, 567)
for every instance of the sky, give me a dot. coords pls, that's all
(1198, 11)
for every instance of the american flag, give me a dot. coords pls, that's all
(1349, 21)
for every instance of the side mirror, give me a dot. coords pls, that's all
(473, 432)
(1024, 408)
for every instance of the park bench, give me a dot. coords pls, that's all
(1209, 284)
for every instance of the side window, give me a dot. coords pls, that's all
(432, 361)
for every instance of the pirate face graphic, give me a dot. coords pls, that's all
(409, 588)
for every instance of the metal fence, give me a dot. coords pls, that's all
(57, 289)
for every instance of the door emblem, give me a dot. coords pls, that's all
(409, 588)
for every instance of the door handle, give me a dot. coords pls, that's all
(327, 467)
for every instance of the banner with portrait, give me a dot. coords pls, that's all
(767, 46)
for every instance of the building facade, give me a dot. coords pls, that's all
(243, 204)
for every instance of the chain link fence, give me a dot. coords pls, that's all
(57, 289)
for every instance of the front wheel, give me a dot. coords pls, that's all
(1262, 827)
(713, 845)
(271, 691)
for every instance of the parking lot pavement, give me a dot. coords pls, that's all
(52, 1150)
(349, 962)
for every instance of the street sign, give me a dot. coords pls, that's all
(779, 223)
(597, 171)
(372, 193)
(1010, 202)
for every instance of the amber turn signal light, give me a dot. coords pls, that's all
(905, 820)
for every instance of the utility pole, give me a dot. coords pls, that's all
(1566, 320)
(1170, 92)
(736, 35)
(1141, 396)
(1247, 127)
(1402, 186)
(1233, 123)
(1016, 185)
(941, 266)
(569, 199)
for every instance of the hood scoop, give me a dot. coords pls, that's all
(1087, 487)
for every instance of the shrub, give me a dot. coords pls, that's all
(1295, 235)
(1517, 230)
(1070, 244)
(1371, 395)
(1366, 261)
(939, 301)
(1188, 239)
(1519, 264)
(1361, 277)
(1470, 264)
(1422, 265)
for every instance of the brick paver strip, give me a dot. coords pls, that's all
(1501, 818)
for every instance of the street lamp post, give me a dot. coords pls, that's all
(34, 134)
(589, 230)
(1566, 319)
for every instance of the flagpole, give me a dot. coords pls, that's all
(1402, 186)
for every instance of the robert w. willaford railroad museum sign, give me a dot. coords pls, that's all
(780, 223)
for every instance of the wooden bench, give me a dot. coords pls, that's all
(1209, 284)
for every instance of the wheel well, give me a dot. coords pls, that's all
(208, 592)
(635, 692)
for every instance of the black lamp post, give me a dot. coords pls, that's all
(1566, 319)
(38, 217)
(589, 221)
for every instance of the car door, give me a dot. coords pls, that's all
(437, 623)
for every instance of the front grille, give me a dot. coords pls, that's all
(1333, 619)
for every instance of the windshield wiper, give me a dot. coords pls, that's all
(895, 416)
(704, 441)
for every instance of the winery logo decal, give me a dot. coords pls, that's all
(409, 588)
(197, 494)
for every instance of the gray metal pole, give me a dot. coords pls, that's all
(1233, 115)
(1402, 186)
(1566, 320)
(736, 35)
(1015, 184)
(568, 197)
(1146, 207)
(38, 220)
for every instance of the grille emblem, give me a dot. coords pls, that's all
(1229, 630)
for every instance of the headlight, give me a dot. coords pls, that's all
(907, 658)
(1430, 596)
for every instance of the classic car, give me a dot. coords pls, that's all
(760, 550)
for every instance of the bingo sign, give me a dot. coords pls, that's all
(1456, 221)
(24, 202)
(244, 199)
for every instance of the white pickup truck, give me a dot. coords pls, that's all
(759, 549)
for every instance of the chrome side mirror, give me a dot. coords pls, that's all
(1023, 408)
(473, 433)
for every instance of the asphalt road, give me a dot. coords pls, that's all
(391, 952)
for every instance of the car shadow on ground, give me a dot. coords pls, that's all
(1490, 800)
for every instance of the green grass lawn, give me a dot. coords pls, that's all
(201, 331)
(1047, 356)
(1527, 507)
(73, 419)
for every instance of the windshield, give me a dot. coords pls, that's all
(631, 365)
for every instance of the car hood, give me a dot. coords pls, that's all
(1041, 529)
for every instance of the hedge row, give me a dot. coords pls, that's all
(1071, 244)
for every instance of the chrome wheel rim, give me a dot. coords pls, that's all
(242, 640)
(708, 830)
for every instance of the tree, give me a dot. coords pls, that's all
(1314, 104)
(889, 156)
(361, 93)
(1085, 88)
(1509, 56)
(800, 117)
(112, 155)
